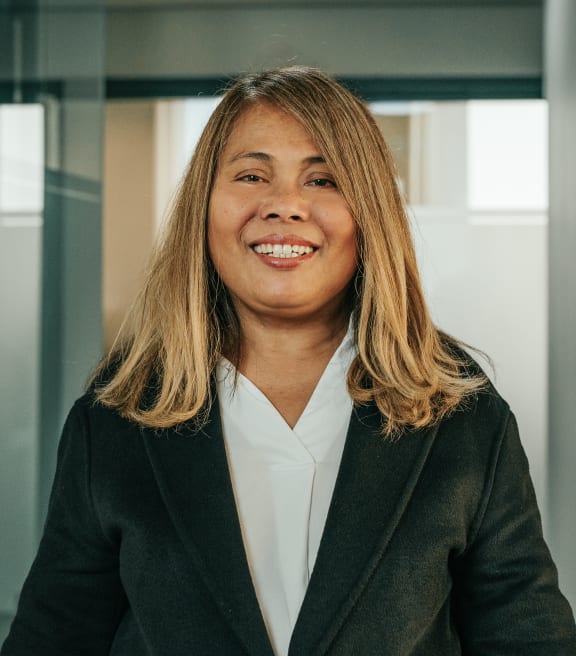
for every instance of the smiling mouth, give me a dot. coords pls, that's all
(283, 250)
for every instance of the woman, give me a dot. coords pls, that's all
(282, 454)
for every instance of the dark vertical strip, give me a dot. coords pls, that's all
(72, 242)
(51, 335)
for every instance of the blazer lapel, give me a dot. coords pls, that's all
(193, 477)
(374, 484)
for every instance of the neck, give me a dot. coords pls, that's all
(287, 345)
(285, 359)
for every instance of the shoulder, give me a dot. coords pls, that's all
(97, 432)
(462, 353)
(88, 410)
(483, 411)
(480, 422)
(106, 453)
(477, 453)
(469, 439)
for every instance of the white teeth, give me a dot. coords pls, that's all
(282, 250)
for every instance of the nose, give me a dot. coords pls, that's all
(285, 203)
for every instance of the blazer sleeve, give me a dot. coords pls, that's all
(72, 600)
(506, 585)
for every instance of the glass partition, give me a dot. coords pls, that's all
(21, 217)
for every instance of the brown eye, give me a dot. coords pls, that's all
(250, 177)
(322, 182)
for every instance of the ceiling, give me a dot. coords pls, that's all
(305, 3)
(164, 5)
(302, 4)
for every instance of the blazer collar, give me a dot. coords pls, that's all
(192, 473)
(374, 484)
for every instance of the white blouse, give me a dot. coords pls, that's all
(283, 481)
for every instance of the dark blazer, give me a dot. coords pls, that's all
(432, 547)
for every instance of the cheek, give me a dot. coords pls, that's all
(216, 235)
(342, 227)
(220, 220)
(350, 247)
(227, 217)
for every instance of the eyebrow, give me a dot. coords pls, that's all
(266, 157)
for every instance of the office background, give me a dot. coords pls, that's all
(95, 77)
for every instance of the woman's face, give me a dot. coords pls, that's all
(280, 234)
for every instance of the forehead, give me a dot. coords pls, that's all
(264, 126)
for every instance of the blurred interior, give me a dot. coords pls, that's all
(101, 104)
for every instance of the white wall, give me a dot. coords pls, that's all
(486, 284)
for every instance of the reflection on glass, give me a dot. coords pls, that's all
(21, 207)
(21, 159)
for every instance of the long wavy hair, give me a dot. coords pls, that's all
(159, 371)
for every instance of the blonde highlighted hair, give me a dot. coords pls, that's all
(159, 371)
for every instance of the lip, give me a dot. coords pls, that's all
(276, 238)
(285, 263)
